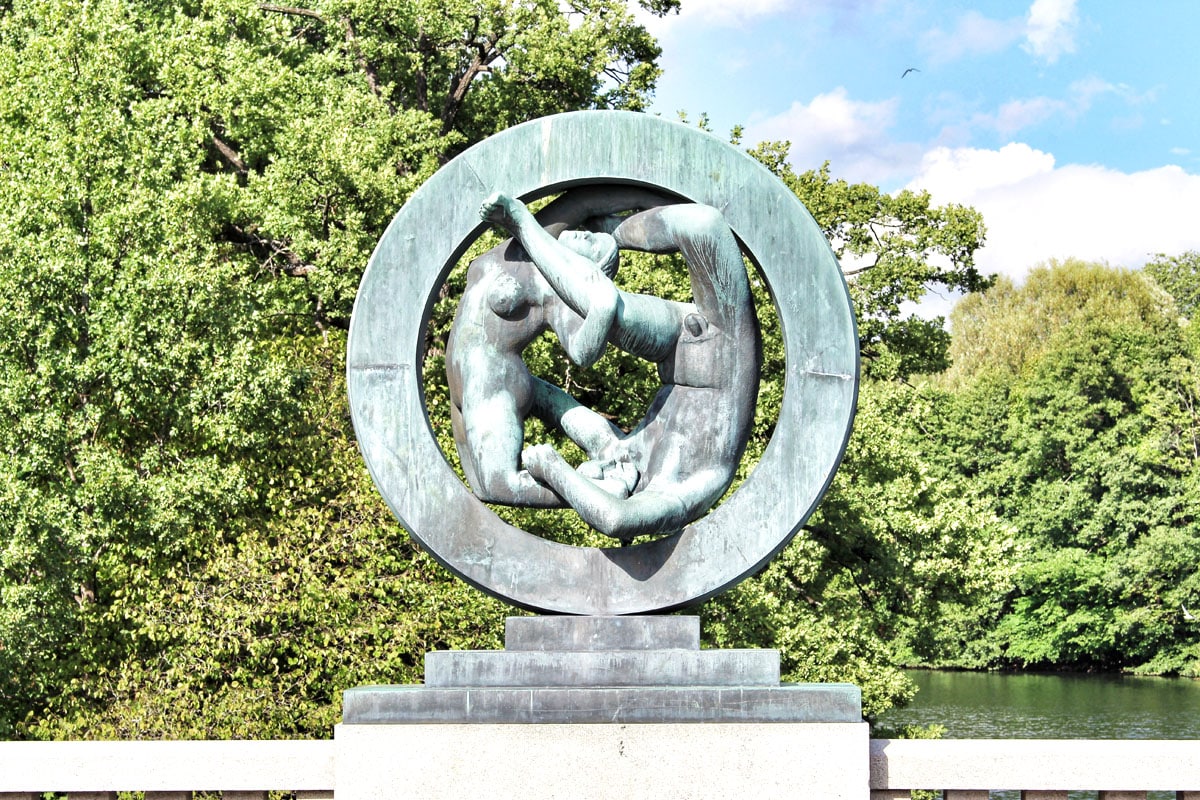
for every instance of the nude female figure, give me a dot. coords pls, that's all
(505, 306)
(687, 448)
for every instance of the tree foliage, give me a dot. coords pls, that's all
(189, 194)
(894, 248)
(1007, 328)
(894, 556)
(1079, 430)
(1180, 277)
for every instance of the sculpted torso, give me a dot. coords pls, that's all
(506, 304)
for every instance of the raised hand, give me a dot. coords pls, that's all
(498, 208)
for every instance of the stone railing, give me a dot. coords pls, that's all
(961, 769)
(1042, 769)
(239, 770)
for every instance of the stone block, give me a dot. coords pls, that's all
(787, 703)
(485, 668)
(602, 633)
(602, 762)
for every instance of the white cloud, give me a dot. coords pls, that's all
(1050, 29)
(1085, 90)
(852, 134)
(952, 174)
(1035, 210)
(1047, 31)
(973, 34)
(1016, 115)
(712, 13)
(735, 14)
(723, 12)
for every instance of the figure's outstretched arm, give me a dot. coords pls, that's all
(585, 342)
(574, 277)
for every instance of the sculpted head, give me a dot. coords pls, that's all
(599, 247)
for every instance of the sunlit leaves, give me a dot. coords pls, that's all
(1076, 424)
(1180, 277)
(893, 248)
(189, 193)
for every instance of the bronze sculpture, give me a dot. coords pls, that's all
(578, 154)
(682, 456)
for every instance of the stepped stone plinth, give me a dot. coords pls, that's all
(602, 670)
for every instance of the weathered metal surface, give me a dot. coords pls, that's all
(428, 237)
(386, 705)
(480, 668)
(683, 454)
(571, 634)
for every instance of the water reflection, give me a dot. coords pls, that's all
(973, 705)
(981, 705)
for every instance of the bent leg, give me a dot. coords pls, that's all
(591, 431)
(494, 435)
(646, 512)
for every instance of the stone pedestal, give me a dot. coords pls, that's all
(598, 707)
(659, 760)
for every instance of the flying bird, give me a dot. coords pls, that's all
(1187, 614)
(910, 69)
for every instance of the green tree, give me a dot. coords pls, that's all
(887, 570)
(1006, 327)
(1078, 429)
(188, 195)
(1180, 277)
(894, 248)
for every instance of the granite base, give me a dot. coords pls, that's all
(603, 707)
(603, 762)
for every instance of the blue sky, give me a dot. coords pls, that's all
(1073, 126)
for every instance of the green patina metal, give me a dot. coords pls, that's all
(612, 149)
(683, 454)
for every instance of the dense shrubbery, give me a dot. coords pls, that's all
(188, 196)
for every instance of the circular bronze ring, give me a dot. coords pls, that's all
(430, 234)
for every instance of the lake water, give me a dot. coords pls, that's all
(986, 705)
(981, 705)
